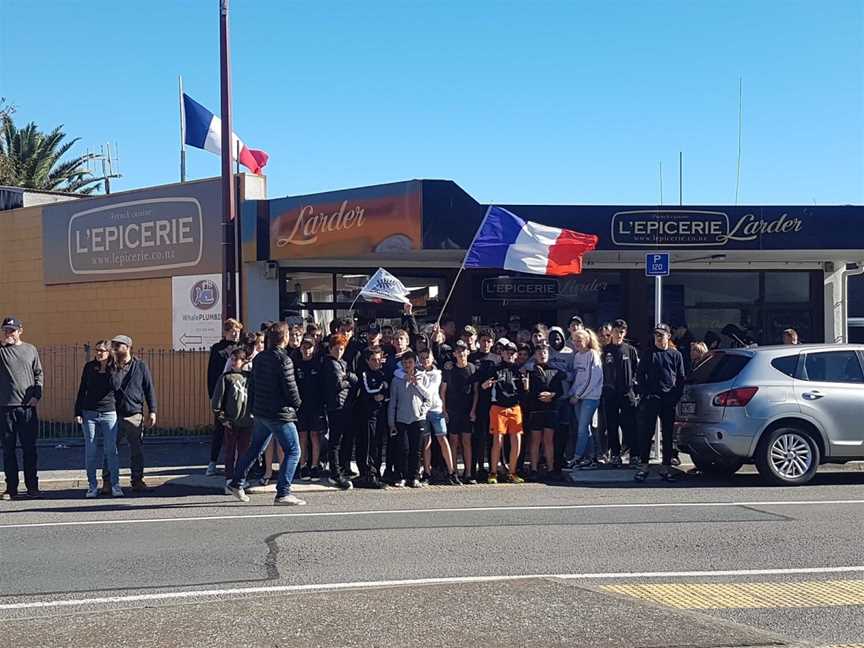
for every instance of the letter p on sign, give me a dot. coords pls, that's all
(657, 264)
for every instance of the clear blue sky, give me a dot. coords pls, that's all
(535, 102)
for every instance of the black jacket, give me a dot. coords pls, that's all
(508, 388)
(133, 389)
(338, 384)
(620, 364)
(374, 383)
(308, 373)
(544, 379)
(273, 392)
(661, 372)
(219, 353)
(96, 391)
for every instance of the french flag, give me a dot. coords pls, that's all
(204, 130)
(508, 242)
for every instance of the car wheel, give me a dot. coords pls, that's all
(717, 466)
(787, 456)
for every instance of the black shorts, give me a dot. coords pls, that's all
(307, 422)
(542, 419)
(459, 423)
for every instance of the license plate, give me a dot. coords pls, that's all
(687, 408)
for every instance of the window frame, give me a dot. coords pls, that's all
(802, 370)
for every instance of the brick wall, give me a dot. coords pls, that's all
(75, 313)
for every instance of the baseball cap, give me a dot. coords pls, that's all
(509, 346)
(576, 320)
(307, 341)
(122, 339)
(663, 328)
(460, 345)
(502, 342)
(374, 329)
(12, 322)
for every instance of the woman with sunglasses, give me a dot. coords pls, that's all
(95, 411)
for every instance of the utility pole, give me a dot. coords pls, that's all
(229, 221)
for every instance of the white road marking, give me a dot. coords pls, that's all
(470, 509)
(293, 589)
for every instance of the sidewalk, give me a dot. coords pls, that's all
(170, 461)
(182, 462)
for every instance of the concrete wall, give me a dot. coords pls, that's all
(74, 313)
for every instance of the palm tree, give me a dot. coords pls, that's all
(32, 159)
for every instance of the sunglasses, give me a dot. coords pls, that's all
(103, 350)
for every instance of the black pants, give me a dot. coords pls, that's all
(370, 443)
(408, 449)
(19, 425)
(651, 408)
(354, 429)
(339, 422)
(620, 413)
(480, 439)
(217, 434)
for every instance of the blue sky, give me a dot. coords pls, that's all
(533, 102)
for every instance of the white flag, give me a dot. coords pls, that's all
(383, 285)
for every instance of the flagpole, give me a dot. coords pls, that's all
(182, 132)
(462, 267)
(229, 222)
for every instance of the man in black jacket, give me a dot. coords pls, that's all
(661, 382)
(374, 394)
(274, 400)
(219, 353)
(133, 388)
(620, 363)
(338, 384)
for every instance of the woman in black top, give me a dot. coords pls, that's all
(95, 410)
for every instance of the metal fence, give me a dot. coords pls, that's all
(180, 378)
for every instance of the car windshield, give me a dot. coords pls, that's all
(718, 367)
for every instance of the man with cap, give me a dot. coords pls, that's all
(133, 388)
(661, 380)
(620, 363)
(20, 390)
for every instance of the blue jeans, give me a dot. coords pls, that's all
(286, 435)
(583, 413)
(105, 422)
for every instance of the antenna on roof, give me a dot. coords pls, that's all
(740, 126)
(108, 162)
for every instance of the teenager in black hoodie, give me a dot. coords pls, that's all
(620, 364)
(545, 387)
(506, 387)
(310, 419)
(339, 384)
(374, 394)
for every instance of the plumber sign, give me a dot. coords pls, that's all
(197, 311)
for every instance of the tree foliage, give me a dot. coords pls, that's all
(34, 159)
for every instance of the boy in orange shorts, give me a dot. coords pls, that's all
(507, 386)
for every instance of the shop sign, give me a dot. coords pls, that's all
(519, 289)
(153, 233)
(369, 221)
(196, 311)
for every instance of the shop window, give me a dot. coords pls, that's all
(423, 289)
(698, 288)
(783, 287)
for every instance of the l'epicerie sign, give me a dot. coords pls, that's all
(143, 235)
(358, 222)
(694, 228)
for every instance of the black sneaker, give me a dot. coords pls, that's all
(676, 461)
(453, 480)
(413, 483)
(534, 476)
(315, 472)
(8, 496)
(344, 483)
(669, 477)
(641, 475)
(305, 473)
(34, 493)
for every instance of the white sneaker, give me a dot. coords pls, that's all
(116, 491)
(239, 493)
(289, 500)
(92, 493)
(211, 469)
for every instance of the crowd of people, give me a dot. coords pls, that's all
(407, 406)
(412, 406)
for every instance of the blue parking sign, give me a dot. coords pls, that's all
(657, 264)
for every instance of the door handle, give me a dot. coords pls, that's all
(813, 395)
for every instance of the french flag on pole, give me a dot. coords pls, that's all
(508, 242)
(204, 130)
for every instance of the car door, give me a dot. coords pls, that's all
(830, 389)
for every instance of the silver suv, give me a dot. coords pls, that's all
(785, 408)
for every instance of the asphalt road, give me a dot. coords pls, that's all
(529, 565)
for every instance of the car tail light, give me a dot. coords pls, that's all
(735, 397)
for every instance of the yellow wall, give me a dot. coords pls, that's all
(75, 313)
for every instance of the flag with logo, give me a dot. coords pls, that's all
(384, 286)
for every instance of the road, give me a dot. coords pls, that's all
(529, 565)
